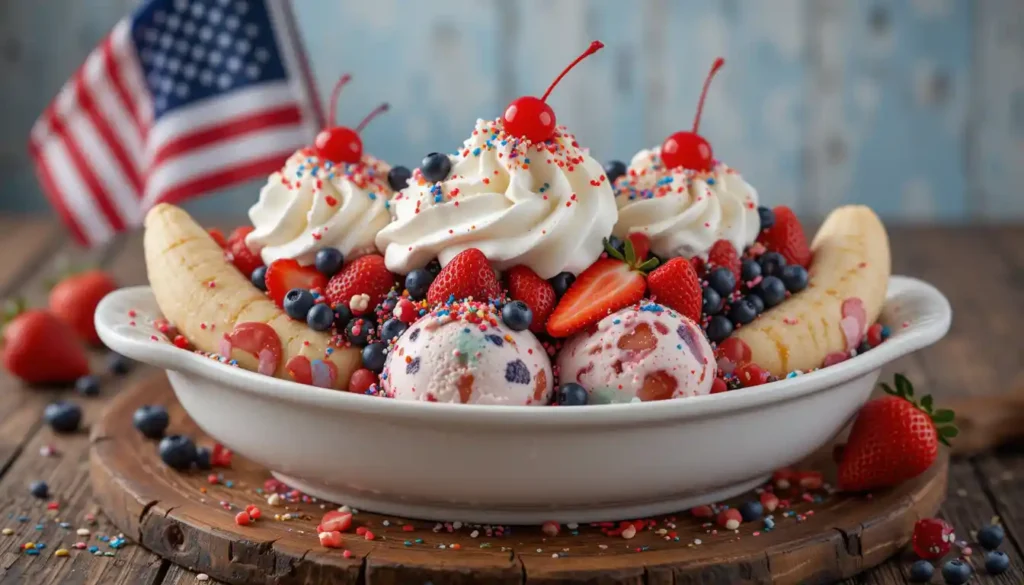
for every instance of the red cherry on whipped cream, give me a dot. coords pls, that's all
(532, 118)
(340, 144)
(689, 150)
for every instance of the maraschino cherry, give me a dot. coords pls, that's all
(532, 118)
(689, 150)
(340, 144)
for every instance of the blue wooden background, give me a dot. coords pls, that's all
(915, 107)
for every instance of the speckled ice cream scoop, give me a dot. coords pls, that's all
(645, 352)
(463, 353)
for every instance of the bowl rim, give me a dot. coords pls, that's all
(930, 308)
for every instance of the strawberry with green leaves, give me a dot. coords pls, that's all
(74, 300)
(40, 348)
(894, 439)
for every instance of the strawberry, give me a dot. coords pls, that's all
(467, 275)
(538, 294)
(240, 254)
(752, 375)
(893, 439)
(605, 287)
(675, 285)
(335, 521)
(74, 300)
(39, 348)
(366, 275)
(218, 236)
(723, 254)
(285, 274)
(787, 237)
(238, 234)
(698, 265)
(331, 539)
(641, 245)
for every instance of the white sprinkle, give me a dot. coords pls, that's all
(697, 541)
(274, 500)
(83, 532)
(629, 532)
(572, 526)
(602, 546)
(202, 577)
(386, 523)
(345, 510)
(474, 534)
(554, 555)
(456, 525)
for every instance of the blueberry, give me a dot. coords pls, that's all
(359, 330)
(921, 571)
(719, 328)
(712, 303)
(328, 261)
(320, 317)
(990, 537)
(771, 263)
(418, 282)
(517, 316)
(742, 311)
(749, 270)
(752, 511)
(342, 315)
(118, 364)
(63, 416)
(794, 277)
(767, 217)
(614, 169)
(392, 329)
(956, 572)
(434, 267)
(757, 302)
(151, 420)
(435, 167)
(178, 452)
(561, 282)
(771, 290)
(259, 278)
(374, 356)
(297, 303)
(996, 562)
(572, 394)
(722, 280)
(39, 489)
(615, 243)
(203, 458)
(88, 386)
(398, 178)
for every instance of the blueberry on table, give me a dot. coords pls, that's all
(956, 572)
(63, 416)
(374, 356)
(749, 269)
(328, 261)
(722, 280)
(751, 511)
(561, 282)
(921, 571)
(177, 452)
(203, 458)
(990, 537)
(297, 303)
(88, 386)
(771, 263)
(771, 290)
(794, 277)
(39, 489)
(359, 330)
(614, 169)
(118, 364)
(996, 562)
(572, 394)
(719, 328)
(418, 282)
(435, 167)
(342, 316)
(517, 316)
(712, 301)
(392, 329)
(320, 317)
(766, 216)
(757, 302)
(151, 420)
(259, 278)
(398, 178)
(742, 311)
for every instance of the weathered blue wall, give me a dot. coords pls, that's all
(915, 107)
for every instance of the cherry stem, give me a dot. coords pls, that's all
(376, 112)
(594, 47)
(704, 92)
(334, 97)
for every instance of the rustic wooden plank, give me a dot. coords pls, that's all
(32, 238)
(1002, 476)
(179, 576)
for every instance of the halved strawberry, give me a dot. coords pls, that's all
(787, 237)
(285, 274)
(366, 275)
(675, 285)
(468, 274)
(238, 253)
(723, 254)
(218, 236)
(605, 287)
(335, 521)
(538, 294)
(331, 539)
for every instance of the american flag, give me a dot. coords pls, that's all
(182, 98)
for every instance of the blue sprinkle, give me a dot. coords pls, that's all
(617, 321)
(387, 205)
(886, 332)
(408, 543)
(419, 541)
(330, 350)
(664, 180)
(22, 518)
(39, 526)
(373, 196)
(32, 552)
(711, 181)
(93, 548)
(652, 308)
(229, 483)
(105, 538)
(41, 545)
(476, 151)
(65, 525)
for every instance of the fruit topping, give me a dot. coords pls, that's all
(996, 562)
(752, 375)
(39, 489)
(787, 238)
(88, 386)
(286, 275)
(339, 144)
(258, 340)
(991, 536)
(688, 149)
(921, 571)
(366, 275)
(406, 311)
(320, 317)
(467, 275)
(359, 330)
(641, 245)
(297, 303)
(722, 280)
(398, 178)
(750, 271)
(531, 118)
(328, 261)
(561, 283)
(177, 452)
(218, 236)
(517, 316)
(932, 538)
(719, 328)
(418, 282)
(676, 286)
(724, 255)
(245, 259)
(771, 290)
(766, 217)
(742, 311)
(63, 416)
(794, 277)
(392, 329)
(435, 167)
(74, 301)
(572, 394)
(711, 301)
(615, 169)
(537, 294)
(361, 381)
(751, 511)
(335, 521)
(259, 278)
(342, 315)
(151, 420)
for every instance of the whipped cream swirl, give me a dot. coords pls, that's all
(312, 204)
(547, 206)
(684, 211)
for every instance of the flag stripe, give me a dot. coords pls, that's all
(230, 129)
(70, 186)
(103, 128)
(122, 195)
(225, 177)
(54, 195)
(108, 106)
(114, 75)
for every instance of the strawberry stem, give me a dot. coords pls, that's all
(942, 419)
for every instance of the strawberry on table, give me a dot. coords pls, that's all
(366, 275)
(675, 285)
(285, 274)
(468, 274)
(538, 294)
(606, 286)
(74, 300)
(39, 348)
(787, 237)
(723, 254)
(893, 439)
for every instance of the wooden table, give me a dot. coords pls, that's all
(981, 269)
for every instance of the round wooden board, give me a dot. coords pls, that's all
(185, 519)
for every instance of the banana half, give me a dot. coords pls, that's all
(848, 279)
(219, 310)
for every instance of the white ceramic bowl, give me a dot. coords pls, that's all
(517, 464)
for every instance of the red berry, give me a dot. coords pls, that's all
(218, 236)
(702, 512)
(468, 274)
(875, 335)
(719, 386)
(524, 285)
(689, 150)
(732, 352)
(698, 265)
(366, 275)
(181, 342)
(605, 287)
(330, 539)
(340, 144)
(770, 501)
(532, 118)
(335, 521)
(361, 381)
(675, 285)
(240, 254)
(641, 245)
(239, 234)
(752, 375)
(243, 519)
(285, 274)
(932, 538)
(75, 298)
(810, 480)
(787, 237)
(730, 519)
(221, 456)
(723, 254)
(406, 311)
(783, 478)
(39, 348)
